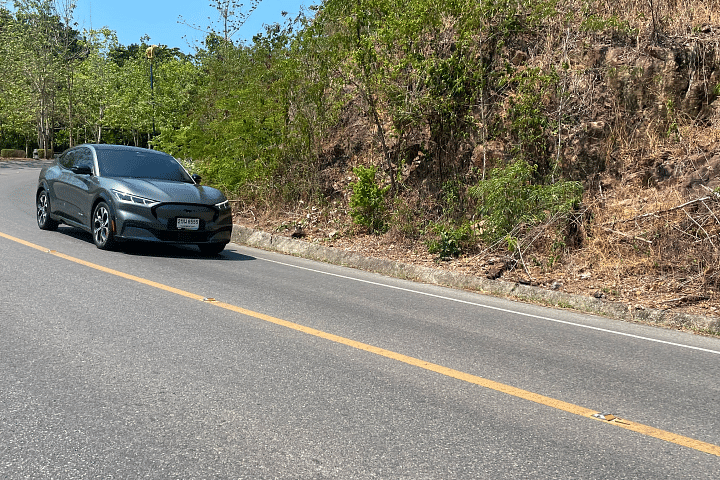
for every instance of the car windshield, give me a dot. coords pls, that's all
(141, 164)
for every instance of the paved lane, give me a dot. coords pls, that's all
(106, 377)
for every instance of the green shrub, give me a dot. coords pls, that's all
(45, 153)
(367, 203)
(450, 241)
(10, 153)
(508, 197)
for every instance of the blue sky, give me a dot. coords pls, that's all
(131, 19)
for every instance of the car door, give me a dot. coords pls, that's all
(76, 185)
(59, 185)
(83, 186)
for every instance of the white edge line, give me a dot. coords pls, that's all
(504, 310)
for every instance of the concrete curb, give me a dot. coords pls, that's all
(313, 251)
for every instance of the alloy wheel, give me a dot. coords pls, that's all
(43, 212)
(101, 228)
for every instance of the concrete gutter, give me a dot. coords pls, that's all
(314, 251)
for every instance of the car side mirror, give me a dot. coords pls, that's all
(81, 170)
(196, 178)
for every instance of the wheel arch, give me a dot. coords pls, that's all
(104, 197)
(43, 185)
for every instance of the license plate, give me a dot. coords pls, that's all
(188, 223)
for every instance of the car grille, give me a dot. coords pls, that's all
(169, 213)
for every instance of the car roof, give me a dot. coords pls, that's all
(107, 146)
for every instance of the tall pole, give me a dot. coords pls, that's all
(150, 52)
(152, 95)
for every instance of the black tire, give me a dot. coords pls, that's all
(102, 227)
(211, 248)
(43, 212)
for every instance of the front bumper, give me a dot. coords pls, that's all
(159, 223)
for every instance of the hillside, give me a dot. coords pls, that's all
(628, 108)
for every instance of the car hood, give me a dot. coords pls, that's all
(168, 191)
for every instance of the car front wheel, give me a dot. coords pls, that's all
(102, 231)
(43, 212)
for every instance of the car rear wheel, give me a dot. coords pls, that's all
(43, 212)
(211, 248)
(102, 231)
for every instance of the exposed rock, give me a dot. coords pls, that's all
(495, 271)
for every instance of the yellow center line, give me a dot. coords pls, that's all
(432, 367)
(117, 273)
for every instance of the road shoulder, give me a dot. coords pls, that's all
(258, 239)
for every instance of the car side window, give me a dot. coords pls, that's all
(67, 159)
(83, 158)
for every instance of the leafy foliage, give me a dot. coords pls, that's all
(367, 203)
(450, 241)
(10, 153)
(509, 197)
(527, 120)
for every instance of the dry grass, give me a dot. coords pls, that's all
(664, 235)
(669, 17)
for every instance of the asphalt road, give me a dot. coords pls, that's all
(113, 366)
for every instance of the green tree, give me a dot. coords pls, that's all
(17, 123)
(37, 53)
(359, 32)
(96, 88)
(73, 53)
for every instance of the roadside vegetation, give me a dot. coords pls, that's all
(566, 142)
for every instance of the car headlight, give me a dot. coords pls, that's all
(134, 199)
(223, 205)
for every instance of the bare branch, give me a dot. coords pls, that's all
(652, 214)
(628, 236)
